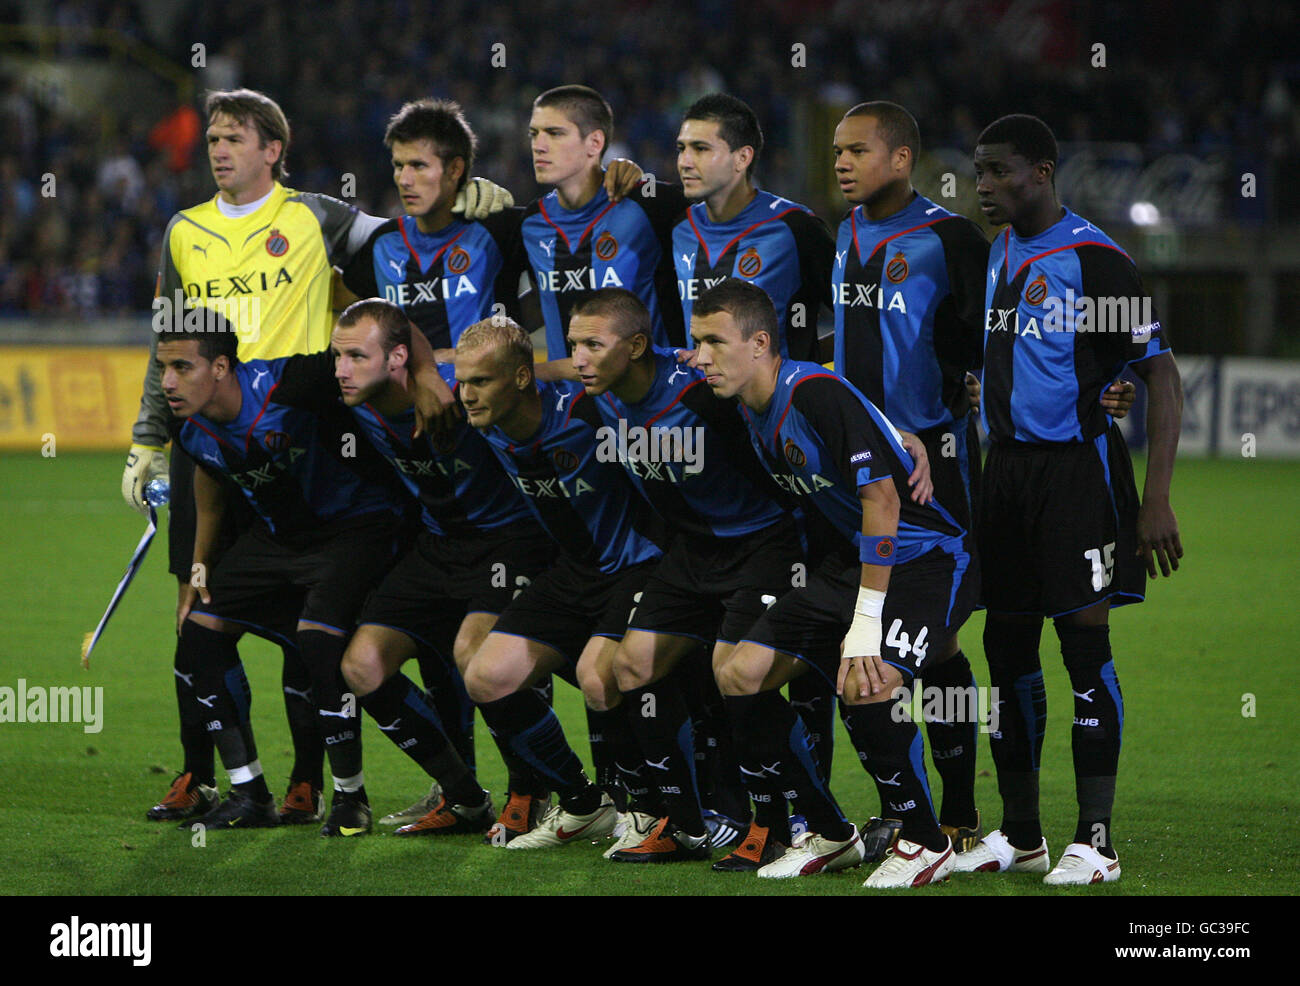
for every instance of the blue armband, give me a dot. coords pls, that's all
(876, 551)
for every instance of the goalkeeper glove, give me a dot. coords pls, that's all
(481, 198)
(143, 463)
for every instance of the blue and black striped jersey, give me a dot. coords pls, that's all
(777, 244)
(445, 281)
(821, 439)
(1065, 312)
(689, 454)
(908, 296)
(587, 505)
(572, 252)
(289, 461)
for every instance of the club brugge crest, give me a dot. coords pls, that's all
(794, 454)
(749, 264)
(276, 441)
(896, 269)
(277, 244)
(564, 459)
(606, 246)
(1036, 293)
(458, 261)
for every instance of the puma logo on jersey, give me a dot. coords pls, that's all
(547, 245)
(933, 209)
(1086, 225)
(792, 376)
(660, 765)
(839, 257)
(892, 781)
(258, 374)
(206, 701)
(559, 404)
(1085, 696)
(304, 695)
(337, 715)
(202, 249)
(187, 678)
(679, 371)
(688, 259)
(399, 268)
(764, 770)
(392, 726)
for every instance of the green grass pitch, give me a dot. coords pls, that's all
(1206, 801)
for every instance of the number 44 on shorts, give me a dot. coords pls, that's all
(905, 645)
(1102, 561)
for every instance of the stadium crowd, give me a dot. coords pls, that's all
(121, 171)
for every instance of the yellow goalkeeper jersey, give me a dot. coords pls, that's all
(268, 272)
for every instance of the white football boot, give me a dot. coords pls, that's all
(995, 854)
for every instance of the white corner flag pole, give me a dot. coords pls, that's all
(132, 567)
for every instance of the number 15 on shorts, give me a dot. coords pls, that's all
(1102, 561)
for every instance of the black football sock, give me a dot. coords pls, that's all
(446, 693)
(616, 758)
(226, 697)
(1098, 729)
(952, 728)
(520, 777)
(1018, 720)
(403, 715)
(532, 730)
(813, 698)
(304, 723)
(774, 749)
(716, 768)
(196, 742)
(764, 790)
(340, 728)
(890, 748)
(659, 721)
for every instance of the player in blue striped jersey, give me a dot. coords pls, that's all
(444, 271)
(907, 562)
(1060, 529)
(478, 542)
(733, 229)
(572, 616)
(908, 296)
(731, 547)
(324, 537)
(577, 239)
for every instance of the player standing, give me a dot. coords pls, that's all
(908, 296)
(1060, 529)
(576, 238)
(734, 230)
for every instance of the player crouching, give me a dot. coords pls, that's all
(885, 561)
